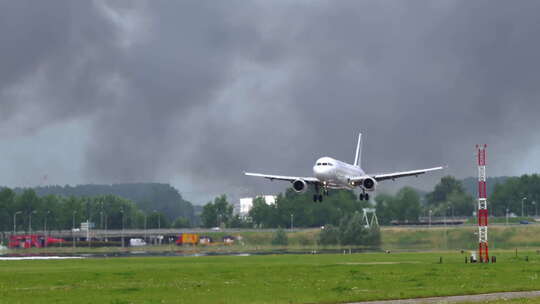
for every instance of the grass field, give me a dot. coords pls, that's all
(262, 279)
(393, 238)
(461, 237)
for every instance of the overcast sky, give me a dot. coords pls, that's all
(195, 92)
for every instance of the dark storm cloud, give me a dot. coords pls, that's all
(52, 57)
(204, 90)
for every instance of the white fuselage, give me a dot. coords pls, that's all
(335, 174)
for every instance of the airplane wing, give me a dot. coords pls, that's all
(394, 175)
(309, 180)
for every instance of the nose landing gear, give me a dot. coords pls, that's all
(364, 196)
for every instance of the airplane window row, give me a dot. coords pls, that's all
(324, 164)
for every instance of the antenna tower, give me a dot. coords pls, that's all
(482, 206)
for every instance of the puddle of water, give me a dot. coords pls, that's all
(39, 258)
(141, 253)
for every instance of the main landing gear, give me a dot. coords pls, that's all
(318, 197)
(363, 196)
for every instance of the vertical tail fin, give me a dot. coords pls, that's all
(358, 156)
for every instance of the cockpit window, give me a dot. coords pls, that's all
(324, 164)
(318, 164)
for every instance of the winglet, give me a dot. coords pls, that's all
(358, 156)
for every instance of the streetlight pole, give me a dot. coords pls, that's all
(535, 209)
(101, 216)
(292, 218)
(159, 219)
(45, 226)
(445, 230)
(522, 203)
(507, 216)
(122, 211)
(15, 221)
(430, 211)
(30, 221)
(145, 236)
(73, 229)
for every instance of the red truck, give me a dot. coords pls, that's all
(32, 240)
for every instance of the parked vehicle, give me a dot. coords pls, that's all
(137, 242)
(187, 239)
(32, 240)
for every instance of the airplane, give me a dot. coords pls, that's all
(330, 173)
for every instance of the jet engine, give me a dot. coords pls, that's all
(369, 184)
(299, 186)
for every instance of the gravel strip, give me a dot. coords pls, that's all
(466, 298)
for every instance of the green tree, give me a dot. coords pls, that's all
(218, 213)
(447, 185)
(262, 214)
(352, 230)
(449, 195)
(239, 222)
(7, 209)
(460, 203)
(408, 205)
(403, 207)
(515, 191)
(181, 222)
(385, 208)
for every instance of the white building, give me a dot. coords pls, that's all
(245, 204)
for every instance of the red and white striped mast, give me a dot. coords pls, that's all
(482, 206)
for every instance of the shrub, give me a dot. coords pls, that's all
(329, 236)
(280, 238)
(351, 231)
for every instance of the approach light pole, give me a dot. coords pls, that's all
(15, 221)
(522, 204)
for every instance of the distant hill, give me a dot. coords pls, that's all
(148, 196)
(471, 184)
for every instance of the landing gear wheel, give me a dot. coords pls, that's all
(320, 198)
(361, 196)
(366, 196)
(315, 197)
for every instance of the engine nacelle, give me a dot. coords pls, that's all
(369, 184)
(299, 186)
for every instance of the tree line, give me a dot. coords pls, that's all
(148, 197)
(30, 212)
(448, 198)
(518, 195)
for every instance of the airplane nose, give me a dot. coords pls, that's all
(322, 170)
